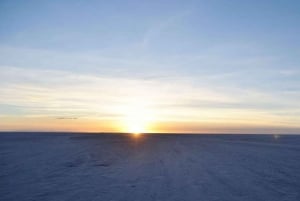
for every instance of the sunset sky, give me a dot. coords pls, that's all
(150, 66)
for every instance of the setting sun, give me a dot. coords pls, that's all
(137, 118)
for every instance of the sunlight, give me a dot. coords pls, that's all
(137, 118)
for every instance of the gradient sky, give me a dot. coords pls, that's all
(187, 66)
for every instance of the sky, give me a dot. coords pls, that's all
(150, 66)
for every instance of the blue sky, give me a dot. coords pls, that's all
(193, 66)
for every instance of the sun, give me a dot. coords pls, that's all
(136, 123)
(137, 118)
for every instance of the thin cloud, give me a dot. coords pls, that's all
(67, 118)
(161, 26)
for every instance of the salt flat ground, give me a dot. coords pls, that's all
(62, 166)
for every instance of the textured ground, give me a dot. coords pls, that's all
(150, 167)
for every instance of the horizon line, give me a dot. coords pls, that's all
(150, 133)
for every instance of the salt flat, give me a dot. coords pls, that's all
(87, 167)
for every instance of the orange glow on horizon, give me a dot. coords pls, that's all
(136, 126)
